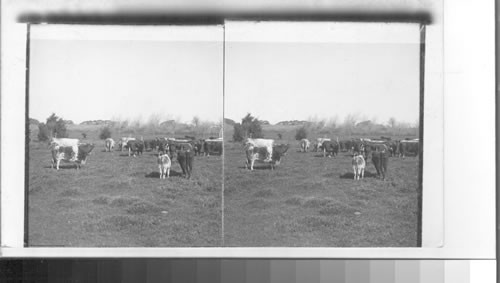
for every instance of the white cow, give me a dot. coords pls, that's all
(109, 143)
(304, 145)
(267, 143)
(66, 153)
(358, 166)
(164, 164)
(65, 142)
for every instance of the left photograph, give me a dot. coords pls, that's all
(125, 136)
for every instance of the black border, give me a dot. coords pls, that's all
(218, 18)
(27, 140)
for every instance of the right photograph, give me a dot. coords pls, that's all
(322, 134)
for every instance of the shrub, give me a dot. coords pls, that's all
(43, 132)
(301, 133)
(238, 132)
(56, 126)
(105, 133)
(249, 127)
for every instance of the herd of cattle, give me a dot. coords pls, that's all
(168, 149)
(263, 150)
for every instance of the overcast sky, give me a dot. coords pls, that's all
(285, 72)
(111, 72)
(276, 71)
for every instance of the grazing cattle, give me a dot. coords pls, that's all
(150, 145)
(122, 144)
(190, 138)
(213, 146)
(65, 142)
(199, 147)
(380, 160)
(110, 144)
(254, 153)
(408, 147)
(135, 147)
(185, 158)
(393, 147)
(66, 153)
(304, 145)
(266, 143)
(344, 145)
(164, 164)
(358, 166)
(319, 143)
(330, 147)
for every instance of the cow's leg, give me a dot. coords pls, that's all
(355, 171)
(57, 165)
(168, 172)
(251, 164)
(160, 171)
(362, 173)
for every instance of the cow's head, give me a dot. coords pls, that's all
(84, 151)
(278, 152)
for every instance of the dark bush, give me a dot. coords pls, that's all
(238, 132)
(56, 127)
(301, 133)
(43, 132)
(105, 133)
(250, 127)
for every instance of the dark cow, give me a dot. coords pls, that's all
(150, 144)
(369, 146)
(65, 153)
(408, 147)
(213, 147)
(330, 147)
(190, 138)
(185, 156)
(380, 160)
(254, 153)
(135, 147)
(199, 147)
(393, 147)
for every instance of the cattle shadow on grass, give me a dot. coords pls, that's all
(321, 155)
(350, 175)
(156, 174)
(261, 167)
(64, 167)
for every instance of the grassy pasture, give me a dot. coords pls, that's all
(119, 201)
(313, 201)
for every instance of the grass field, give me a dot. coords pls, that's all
(119, 201)
(311, 201)
(308, 201)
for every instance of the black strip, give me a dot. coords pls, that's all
(497, 136)
(421, 136)
(215, 18)
(223, 141)
(27, 140)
